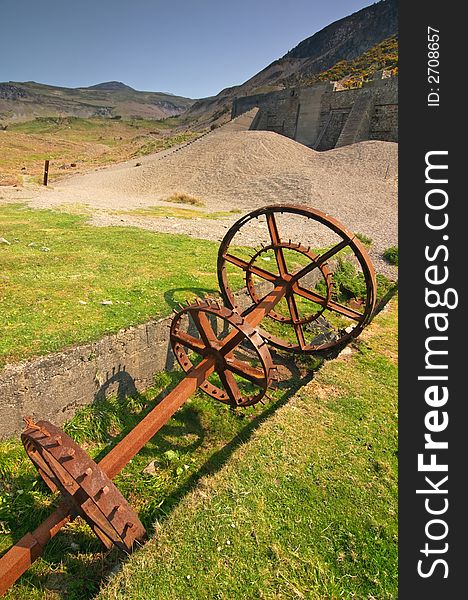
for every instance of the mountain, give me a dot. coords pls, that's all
(343, 40)
(110, 85)
(24, 101)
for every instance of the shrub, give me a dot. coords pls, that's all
(181, 198)
(391, 255)
(366, 240)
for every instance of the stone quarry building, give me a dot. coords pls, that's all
(324, 115)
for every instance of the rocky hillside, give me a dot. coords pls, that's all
(383, 56)
(24, 101)
(343, 40)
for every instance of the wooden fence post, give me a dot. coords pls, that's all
(46, 172)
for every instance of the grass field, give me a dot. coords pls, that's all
(86, 143)
(64, 282)
(55, 263)
(324, 529)
(306, 509)
(294, 500)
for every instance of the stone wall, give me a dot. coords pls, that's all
(53, 387)
(318, 115)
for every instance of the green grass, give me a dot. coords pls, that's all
(55, 261)
(293, 500)
(196, 441)
(365, 239)
(179, 213)
(69, 126)
(87, 143)
(57, 272)
(164, 143)
(306, 509)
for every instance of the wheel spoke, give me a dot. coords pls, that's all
(244, 265)
(190, 342)
(204, 327)
(246, 371)
(230, 386)
(293, 311)
(330, 304)
(230, 342)
(317, 262)
(276, 241)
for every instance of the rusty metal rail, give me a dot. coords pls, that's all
(207, 339)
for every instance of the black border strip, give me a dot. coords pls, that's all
(423, 129)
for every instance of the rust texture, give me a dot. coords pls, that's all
(89, 492)
(208, 340)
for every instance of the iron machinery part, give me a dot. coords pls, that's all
(355, 316)
(88, 491)
(206, 329)
(257, 296)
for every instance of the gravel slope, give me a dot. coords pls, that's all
(244, 170)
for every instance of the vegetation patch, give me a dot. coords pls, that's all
(195, 442)
(391, 255)
(352, 73)
(163, 143)
(84, 143)
(365, 239)
(306, 509)
(64, 282)
(178, 213)
(181, 198)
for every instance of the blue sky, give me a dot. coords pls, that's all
(189, 48)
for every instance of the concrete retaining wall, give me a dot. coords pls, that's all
(317, 115)
(53, 387)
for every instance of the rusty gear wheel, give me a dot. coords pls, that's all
(256, 295)
(66, 467)
(311, 283)
(243, 365)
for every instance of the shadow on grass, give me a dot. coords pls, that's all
(287, 389)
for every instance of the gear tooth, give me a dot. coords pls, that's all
(102, 492)
(67, 455)
(30, 423)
